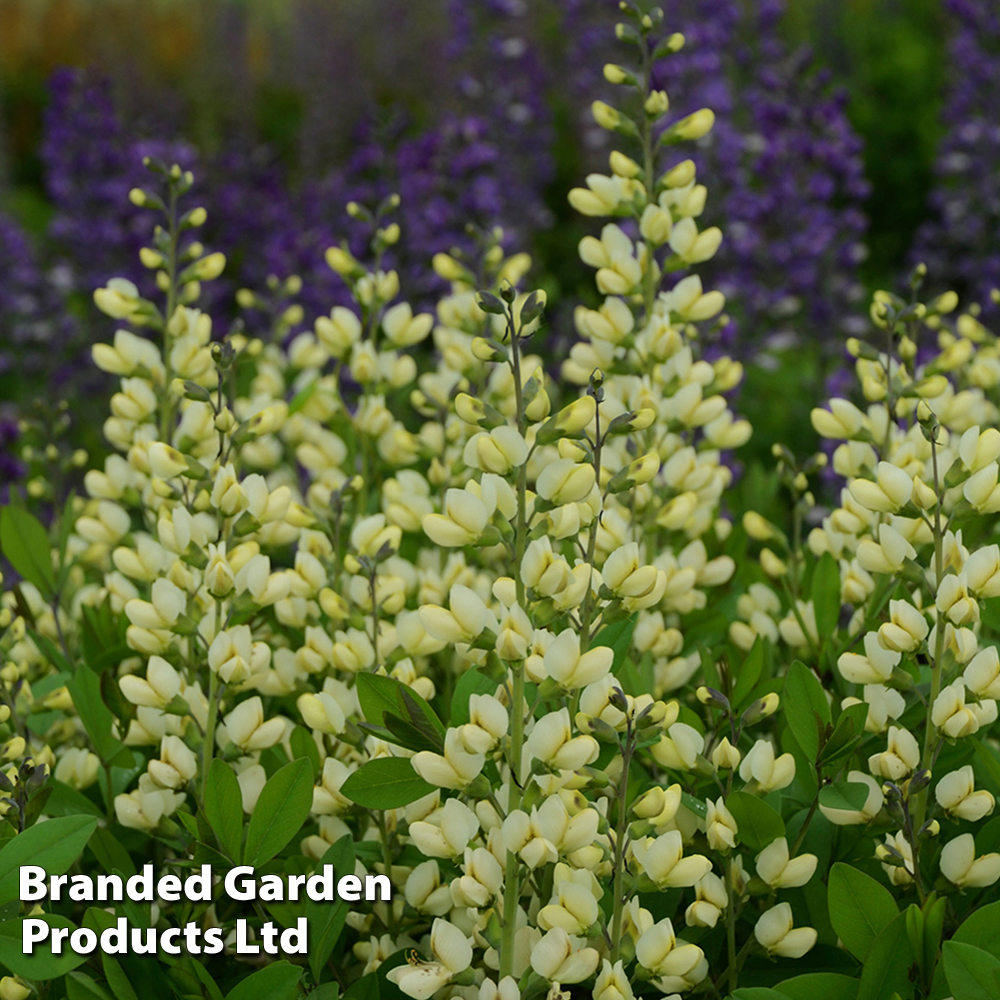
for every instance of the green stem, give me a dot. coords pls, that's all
(167, 409)
(208, 746)
(930, 730)
(620, 834)
(512, 876)
(587, 611)
(731, 928)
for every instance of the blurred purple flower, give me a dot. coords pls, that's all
(959, 243)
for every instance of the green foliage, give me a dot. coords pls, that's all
(385, 783)
(280, 812)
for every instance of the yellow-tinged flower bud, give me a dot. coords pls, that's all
(605, 115)
(13, 989)
(695, 126)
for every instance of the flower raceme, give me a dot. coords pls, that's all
(394, 546)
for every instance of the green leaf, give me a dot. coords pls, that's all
(385, 783)
(366, 988)
(224, 807)
(326, 921)
(328, 991)
(302, 397)
(887, 964)
(806, 707)
(759, 824)
(81, 987)
(850, 728)
(54, 844)
(41, 963)
(377, 695)
(26, 546)
(980, 929)
(826, 596)
(819, 986)
(471, 682)
(281, 810)
(85, 690)
(276, 982)
(988, 758)
(748, 673)
(384, 699)
(303, 745)
(971, 972)
(109, 852)
(619, 638)
(117, 980)
(860, 908)
(213, 991)
(757, 993)
(67, 801)
(847, 795)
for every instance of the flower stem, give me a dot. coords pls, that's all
(620, 834)
(208, 745)
(512, 875)
(930, 730)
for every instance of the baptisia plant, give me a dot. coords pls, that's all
(889, 604)
(387, 595)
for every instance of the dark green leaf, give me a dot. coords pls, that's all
(281, 810)
(366, 988)
(405, 734)
(224, 807)
(54, 845)
(980, 929)
(67, 801)
(860, 908)
(80, 986)
(326, 921)
(747, 673)
(275, 982)
(850, 728)
(108, 850)
(988, 758)
(971, 972)
(887, 965)
(303, 745)
(377, 695)
(471, 682)
(847, 795)
(806, 707)
(41, 963)
(619, 638)
(385, 783)
(85, 690)
(26, 546)
(121, 988)
(826, 596)
(819, 986)
(758, 823)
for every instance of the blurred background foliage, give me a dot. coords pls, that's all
(853, 138)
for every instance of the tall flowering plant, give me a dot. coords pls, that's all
(385, 595)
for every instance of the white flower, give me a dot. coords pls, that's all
(774, 931)
(452, 952)
(767, 772)
(779, 871)
(560, 958)
(960, 865)
(956, 794)
(663, 860)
